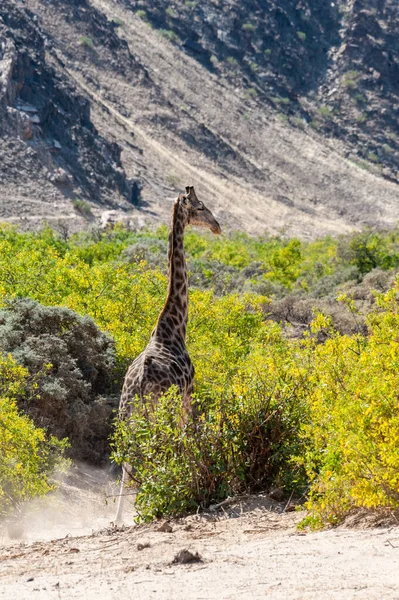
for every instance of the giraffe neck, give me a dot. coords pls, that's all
(173, 318)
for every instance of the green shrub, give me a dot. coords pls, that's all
(72, 368)
(28, 456)
(169, 35)
(316, 125)
(250, 93)
(301, 35)
(82, 207)
(370, 249)
(141, 14)
(242, 441)
(362, 164)
(298, 122)
(351, 79)
(119, 22)
(86, 41)
(170, 12)
(359, 98)
(325, 111)
(391, 136)
(373, 157)
(249, 27)
(173, 180)
(258, 386)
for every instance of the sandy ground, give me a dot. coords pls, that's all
(250, 549)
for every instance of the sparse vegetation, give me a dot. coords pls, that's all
(298, 122)
(362, 164)
(82, 207)
(250, 93)
(86, 41)
(169, 35)
(171, 12)
(232, 61)
(391, 136)
(173, 180)
(250, 27)
(316, 125)
(301, 35)
(141, 14)
(325, 112)
(351, 79)
(119, 22)
(359, 98)
(373, 157)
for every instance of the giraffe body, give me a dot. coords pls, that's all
(165, 361)
(154, 371)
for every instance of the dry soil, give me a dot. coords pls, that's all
(250, 549)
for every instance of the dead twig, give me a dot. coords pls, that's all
(288, 503)
(228, 500)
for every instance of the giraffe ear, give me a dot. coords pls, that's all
(182, 198)
(191, 196)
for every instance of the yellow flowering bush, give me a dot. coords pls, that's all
(320, 413)
(352, 437)
(27, 456)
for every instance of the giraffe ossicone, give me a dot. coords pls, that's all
(165, 361)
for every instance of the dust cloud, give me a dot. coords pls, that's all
(84, 501)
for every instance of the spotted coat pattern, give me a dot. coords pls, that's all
(165, 361)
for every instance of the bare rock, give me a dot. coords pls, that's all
(186, 556)
(276, 494)
(143, 545)
(165, 527)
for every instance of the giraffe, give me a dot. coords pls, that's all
(165, 361)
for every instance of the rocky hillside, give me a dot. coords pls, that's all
(283, 114)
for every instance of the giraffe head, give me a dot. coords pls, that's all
(197, 212)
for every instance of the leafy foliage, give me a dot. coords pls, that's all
(242, 440)
(352, 437)
(71, 367)
(27, 455)
(281, 397)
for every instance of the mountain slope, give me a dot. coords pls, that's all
(162, 108)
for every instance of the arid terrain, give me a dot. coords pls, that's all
(283, 117)
(247, 549)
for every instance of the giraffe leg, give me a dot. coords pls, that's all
(119, 512)
(188, 409)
